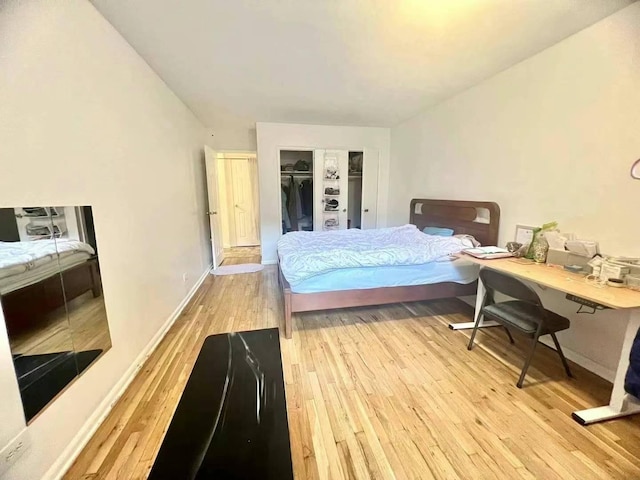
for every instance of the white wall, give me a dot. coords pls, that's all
(274, 136)
(85, 121)
(234, 137)
(552, 138)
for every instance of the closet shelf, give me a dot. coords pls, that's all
(295, 172)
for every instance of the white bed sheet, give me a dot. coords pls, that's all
(40, 272)
(304, 255)
(20, 257)
(458, 271)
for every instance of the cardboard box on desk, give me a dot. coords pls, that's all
(565, 257)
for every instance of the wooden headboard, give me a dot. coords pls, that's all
(480, 219)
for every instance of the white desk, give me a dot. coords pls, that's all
(626, 301)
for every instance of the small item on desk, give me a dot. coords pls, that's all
(556, 240)
(574, 268)
(615, 282)
(537, 235)
(513, 246)
(587, 248)
(610, 270)
(540, 249)
(633, 282)
(488, 253)
(596, 264)
(565, 257)
(517, 249)
(633, 264)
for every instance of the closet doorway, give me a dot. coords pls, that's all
(328, 189)
(239, 201)
(296, 189)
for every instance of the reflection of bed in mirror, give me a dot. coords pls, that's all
(51, 297)
(30, 274)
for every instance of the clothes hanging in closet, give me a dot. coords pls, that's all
(289, 208)
(292, 204)
(297, 203)
(306, 195)
(286, 222)
(297, 185)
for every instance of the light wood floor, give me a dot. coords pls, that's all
(81, 326)
(240, 255)
(381, 392)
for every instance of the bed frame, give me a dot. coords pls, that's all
(480, 219)
(24, 307)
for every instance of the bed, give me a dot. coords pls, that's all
(350, 286)
(31, 273)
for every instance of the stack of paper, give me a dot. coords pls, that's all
(487, 253)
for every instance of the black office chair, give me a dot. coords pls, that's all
(524, 314)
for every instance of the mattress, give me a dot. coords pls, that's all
(459, 271)
(304, 255)
(42, 271)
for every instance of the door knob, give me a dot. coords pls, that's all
(366, 210)
(344, 209)
(212, 213)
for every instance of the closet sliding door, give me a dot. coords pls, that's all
(369, 189)
(331, 174)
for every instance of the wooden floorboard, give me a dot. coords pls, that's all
(380, 392)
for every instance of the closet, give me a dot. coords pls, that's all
(296, 185)
(326, 189)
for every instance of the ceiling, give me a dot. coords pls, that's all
(338, 62)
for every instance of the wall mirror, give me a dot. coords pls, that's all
(51, 298)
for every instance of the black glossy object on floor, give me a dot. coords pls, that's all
(42, 377)
(231, 422)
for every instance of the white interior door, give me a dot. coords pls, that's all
(214, 205)
(369, 217)
(244, 211)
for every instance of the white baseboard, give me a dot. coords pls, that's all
(575, 357)
(584, 362)
(75, 447)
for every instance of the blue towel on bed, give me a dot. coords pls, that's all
(632, 380)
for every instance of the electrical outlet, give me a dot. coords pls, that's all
(13, 451)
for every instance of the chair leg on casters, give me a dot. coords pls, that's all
(473, 334)
(527, 363)
(562, 357)
(509, 335)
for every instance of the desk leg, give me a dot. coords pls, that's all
(621, 404)
(485, 323)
